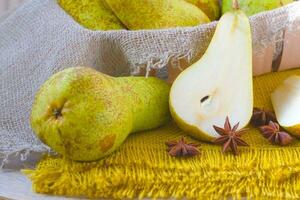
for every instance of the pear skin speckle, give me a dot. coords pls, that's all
(87, 115)
(157, 14)
(210, 7)
(107, 142)
(92, 14)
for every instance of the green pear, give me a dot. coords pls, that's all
(251, 7)
(92, 14)
(86, 115)
(210, 7)
(156, 14)
(219, 85)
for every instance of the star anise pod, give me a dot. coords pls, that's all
(274, 135)
(230, 137)
(262, 116)
(182, 148)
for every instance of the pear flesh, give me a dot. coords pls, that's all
(157, 14)
(286, 103)
(86, 115)
(219, 84)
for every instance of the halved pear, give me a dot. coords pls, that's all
(219, 84)
(286, 103)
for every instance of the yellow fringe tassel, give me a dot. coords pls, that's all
(141, 167)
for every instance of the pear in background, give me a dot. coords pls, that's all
(92, 14)
(86, 115)
(219, 84)
(210, 7)
(286, 103)
(251, 7)
(157, 14)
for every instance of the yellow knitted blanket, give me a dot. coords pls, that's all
(142, 168)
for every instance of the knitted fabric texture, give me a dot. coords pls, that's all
(142, 168)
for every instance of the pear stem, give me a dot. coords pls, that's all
(235, 4)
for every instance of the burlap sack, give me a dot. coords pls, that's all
(40, 39)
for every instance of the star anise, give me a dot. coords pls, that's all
(274, 135)
(182, 148)
(262, 116)
(230, 137)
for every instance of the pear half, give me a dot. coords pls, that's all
(286, 103)
(219, 84)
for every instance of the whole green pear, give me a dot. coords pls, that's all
(210, 7)
(92, 14)
(86, 115)
(157, 14)
(251, 7)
